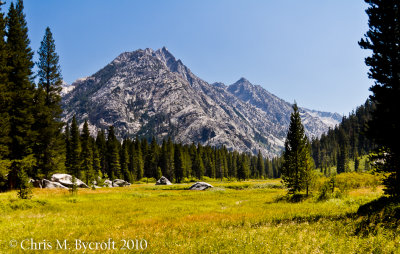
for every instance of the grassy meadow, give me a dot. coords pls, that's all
(233, 217)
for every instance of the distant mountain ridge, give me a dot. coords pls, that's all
(151, 93)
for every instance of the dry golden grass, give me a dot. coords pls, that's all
(234, 217)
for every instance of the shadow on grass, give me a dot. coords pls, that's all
(313, 218)
(377, 215)
(292, 198)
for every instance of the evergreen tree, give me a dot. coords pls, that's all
(253, 167)
(132, 165)
(219, 164)
(224, 161)
(243, 167)
(167, 159)
(383, 38)
(19, 86)
(23, 186)
(67, 137)
(235, 156)
(269, 171)
(187, 172)
(179, 163)
(112, 157)
(124, 161)
(151, 163)
(159, 173)
(75, 150)
(86, 155)
(343, 154)
(4, 92)
(260, 165)
(101, 145)
(138, 158)
(296, 163)
(96, 161)
(198, 166)
(48, 147)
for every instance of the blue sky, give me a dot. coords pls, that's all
(299, 50)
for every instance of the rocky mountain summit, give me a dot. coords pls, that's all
(151, 93)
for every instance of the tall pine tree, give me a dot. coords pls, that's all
(383, 38)
(48, 147)
(4, 93)
(296, 165)
(20, 90)
(20, 86)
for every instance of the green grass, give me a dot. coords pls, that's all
(233, 217)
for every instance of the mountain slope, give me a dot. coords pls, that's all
(150, 93)
(278, 110)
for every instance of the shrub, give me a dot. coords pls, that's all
(74, 188)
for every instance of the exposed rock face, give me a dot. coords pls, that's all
(52, 185)
(66, 180)
(150, 93)
(201, 186)
(163, 181)
(120, 183)
(315, 122)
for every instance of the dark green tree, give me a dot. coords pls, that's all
(112, 157)
(296, 163)
(179, 163)
(101, 145)
(167, 159)
(96, 160)
(75, 150)
(87, 155)
(48, 147)
(124, 161)
(4, 93)
(138, 157)
(24, 187)
(67, 138)
(260, 165)
(243, 167)
(343, 152)
(20, 86)
(198, 166)
(151, 162)
(383, 39)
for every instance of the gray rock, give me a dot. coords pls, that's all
(163, 181)
(242, 117)
(36, 183)
(52, 185)
(108, 183)
(66, 180)
(120, 183)
(201, 186)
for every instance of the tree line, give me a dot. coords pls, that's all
(344, 143)
(134, 159)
